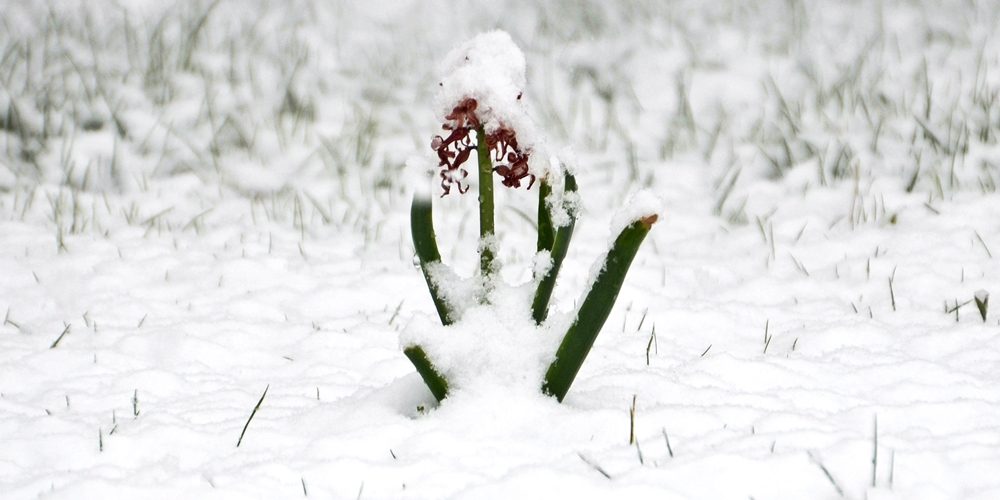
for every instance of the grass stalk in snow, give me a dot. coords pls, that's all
(826, 472)
(631, 422)
(767, 335)
(252, 413)
(666, 437)
(60, 337)
(983, 242)
(594, 465)
(892, 292)
(8, 321)
(875, 451)
(982, 298)
(651, 343)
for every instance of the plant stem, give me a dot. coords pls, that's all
(486, 227)
(594, 310)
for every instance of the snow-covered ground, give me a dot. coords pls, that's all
(200, 200)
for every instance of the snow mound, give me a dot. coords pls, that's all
(490, 69)
(493, 345)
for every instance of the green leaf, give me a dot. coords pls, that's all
(595, 309)
(558, 247)
(434, 380)
(546, 234)
(425, 243)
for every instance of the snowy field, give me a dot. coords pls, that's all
(200, 200)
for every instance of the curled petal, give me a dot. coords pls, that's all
(456, 148)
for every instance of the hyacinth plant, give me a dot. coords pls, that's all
(483, 118)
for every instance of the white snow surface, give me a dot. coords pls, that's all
(200, 200)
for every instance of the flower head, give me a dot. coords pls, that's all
(455, 149)
(481, 89)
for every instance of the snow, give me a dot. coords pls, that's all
(490, 69)
(562, 204)
(641, 205)
(815, 265)
(493, 345)
(541, 264)
(456, 291)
